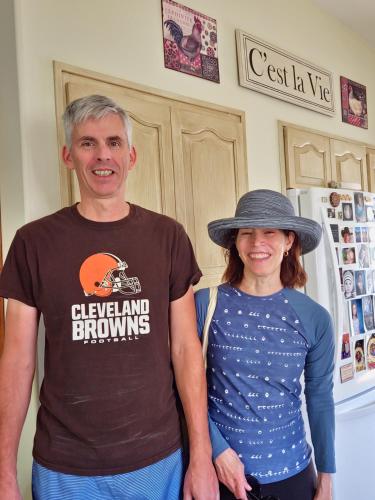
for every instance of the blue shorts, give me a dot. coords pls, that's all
(159, 481)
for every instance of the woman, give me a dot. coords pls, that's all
(263, 335)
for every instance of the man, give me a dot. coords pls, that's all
(114, 284)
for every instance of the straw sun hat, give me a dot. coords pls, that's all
(265, 208)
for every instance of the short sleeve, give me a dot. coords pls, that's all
(15, 279)
(184, 268)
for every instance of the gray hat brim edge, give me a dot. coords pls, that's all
(308, 231)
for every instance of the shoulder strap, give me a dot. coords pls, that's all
(210, 312)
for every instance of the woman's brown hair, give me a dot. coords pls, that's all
(292, 274)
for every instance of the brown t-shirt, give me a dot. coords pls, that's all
(104, 288)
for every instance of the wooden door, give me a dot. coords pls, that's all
(307, 159)
(208, 153)
(349, 167)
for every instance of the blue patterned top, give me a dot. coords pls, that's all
(258, 348)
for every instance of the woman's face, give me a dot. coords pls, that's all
(262, 250)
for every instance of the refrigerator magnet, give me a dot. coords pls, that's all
(345, 346)
(335, 232)
(334, 199)
(371, 352)
(368, 312)
(356, 317)
(348, 280)
(359, 208)
(359, 356)
(346, 372)
(347, 211)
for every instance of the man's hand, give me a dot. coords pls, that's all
(201, 481)
(324, 487)
(230, 471)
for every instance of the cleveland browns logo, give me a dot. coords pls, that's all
(102, 274)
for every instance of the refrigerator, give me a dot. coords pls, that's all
(341, 277)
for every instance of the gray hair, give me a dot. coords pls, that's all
(93, 106)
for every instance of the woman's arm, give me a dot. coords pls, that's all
(319, 370)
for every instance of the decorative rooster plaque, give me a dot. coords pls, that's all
(190, 41)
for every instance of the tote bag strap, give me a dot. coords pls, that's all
(210, 312)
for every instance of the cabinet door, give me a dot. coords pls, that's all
(150, 184)
(211, 174)
(371, 169)
(307, 159)
(349, 167)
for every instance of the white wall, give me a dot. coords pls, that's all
(123, 38)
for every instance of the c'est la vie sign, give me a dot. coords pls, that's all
(275, 72)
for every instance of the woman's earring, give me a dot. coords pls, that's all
(286, 253)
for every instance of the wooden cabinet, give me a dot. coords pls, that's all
(307, 158)
(313, 159)
(191, 157)
(348, 161)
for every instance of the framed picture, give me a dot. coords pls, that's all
(190, 41)
(353, 103)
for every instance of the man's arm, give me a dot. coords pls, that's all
(200, 479)
(17, 366)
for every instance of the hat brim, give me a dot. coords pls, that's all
(308, 231)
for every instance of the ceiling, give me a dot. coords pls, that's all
(358, 15)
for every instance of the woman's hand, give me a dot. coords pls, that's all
(230, 471)
(324, 487)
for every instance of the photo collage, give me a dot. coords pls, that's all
(354, 238)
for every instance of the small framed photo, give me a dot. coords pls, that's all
(335, 232)
(359, 355)
(347, 211)
(360, 209)
(360, 282)
(353, 103)
(356, 316)
(348, 283)
(371, 352)
(347, 235)
(345, 346)
(348, 255)
(368, 312)
(331, 213)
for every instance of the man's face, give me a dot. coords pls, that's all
(101, 157)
